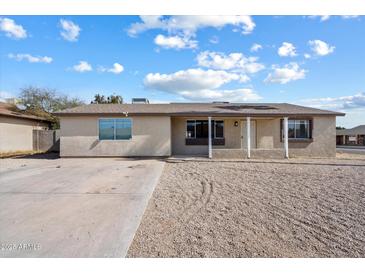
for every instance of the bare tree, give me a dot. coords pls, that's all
(44, 101)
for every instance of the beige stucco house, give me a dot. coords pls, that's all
(353, 136)
(215, 130)
(16, 128)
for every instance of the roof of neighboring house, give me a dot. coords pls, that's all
(196, 109)
(359, 130)
(12, 111)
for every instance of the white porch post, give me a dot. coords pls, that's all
(210, 137)
(248, 131)
(286, 145)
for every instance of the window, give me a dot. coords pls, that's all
(299, 129)
(190, 129)
(199, 129)
(218, 129)
(115, 129)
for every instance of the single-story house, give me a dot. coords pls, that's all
(16, 128)
(216, 130)
(352, 136)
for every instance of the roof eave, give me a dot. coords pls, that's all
(41, 119)
(175, 114)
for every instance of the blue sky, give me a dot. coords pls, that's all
(308, 60)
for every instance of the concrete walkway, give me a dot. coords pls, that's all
(73, 207)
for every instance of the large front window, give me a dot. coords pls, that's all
(198, 129)
(299, 129)
(115, 129)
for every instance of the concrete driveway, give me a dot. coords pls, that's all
(73, 207)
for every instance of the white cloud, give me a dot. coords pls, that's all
(200, 85)
(70, 31)
(307, 56)
(11, 29)
(189, 24)
(30, 58)
(287, 49)
(255, 47)
(82, 66)
(5, 95)
(233, 61)
(342, 102)
(175, 42)
(214, 39)
(116, 69)
(323, 18)
(286, 74)
(231, 95)
(320, 48)
(349, 16)
(189, 80)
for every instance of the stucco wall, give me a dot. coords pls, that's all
(323, 142)
(268, 133)
(17, 134)
(150, 137)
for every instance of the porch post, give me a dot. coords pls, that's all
(286, 145)
(248, 131)
(210, 137)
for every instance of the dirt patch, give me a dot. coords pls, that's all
(344, 155)
(243, 209)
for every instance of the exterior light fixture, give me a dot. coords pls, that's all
(236, 123)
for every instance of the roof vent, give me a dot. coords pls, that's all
(140, 101)
(220, 102)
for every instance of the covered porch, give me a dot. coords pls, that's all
(230, 137)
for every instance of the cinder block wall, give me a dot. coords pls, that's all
(46, 140)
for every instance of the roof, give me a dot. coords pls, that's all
(12, 111)
(360, 130)
(196, 109)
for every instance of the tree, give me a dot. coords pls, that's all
(112, 99)
(115, 99)
(44, 101)
(338, 127)
(99, 99)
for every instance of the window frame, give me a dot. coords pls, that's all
(296, 121)
(214, 129)
(115, 128)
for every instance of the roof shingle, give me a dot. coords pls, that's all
(196, 109)
(11, 110)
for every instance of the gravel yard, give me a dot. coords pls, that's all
(295, 208)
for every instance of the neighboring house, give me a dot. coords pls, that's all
(275, 131)
(353, 136)
(16, 128)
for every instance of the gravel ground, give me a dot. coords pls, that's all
(295, 208)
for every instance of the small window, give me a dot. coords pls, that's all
(199, 129)
(115, 129)
(298, 129)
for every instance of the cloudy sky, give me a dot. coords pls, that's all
(309, 60)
